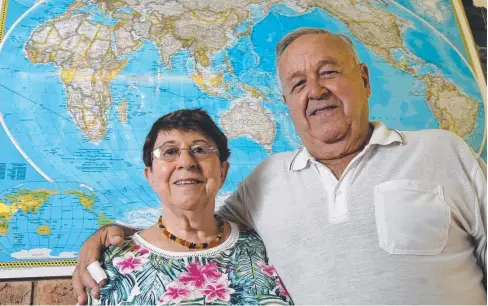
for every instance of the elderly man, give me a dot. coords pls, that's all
(363, 213)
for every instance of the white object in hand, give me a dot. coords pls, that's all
(96, 272)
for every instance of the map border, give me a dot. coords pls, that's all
(47, 268)
(469, 45)
(3, 17)
(473, 57)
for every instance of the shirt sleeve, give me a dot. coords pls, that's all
(480, 198)
(235, 208)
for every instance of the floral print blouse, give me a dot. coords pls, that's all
(236, 272)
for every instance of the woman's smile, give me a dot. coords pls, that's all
(187, 182)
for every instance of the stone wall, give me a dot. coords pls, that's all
(37, 292)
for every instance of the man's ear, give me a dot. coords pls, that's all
(224, 170)
(283, 98)
(365, 76)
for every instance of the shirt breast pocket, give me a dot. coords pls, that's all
(412, 217)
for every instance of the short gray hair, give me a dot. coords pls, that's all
(291, 37)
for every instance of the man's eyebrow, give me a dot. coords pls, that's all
(294, 74)
(297, 73)
(327, 62)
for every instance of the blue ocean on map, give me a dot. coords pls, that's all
(440, 17)
(61, 210)
(430, 45)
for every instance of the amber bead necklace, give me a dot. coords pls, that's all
(192, 245)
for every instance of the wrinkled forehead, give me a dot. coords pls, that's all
(312, 48)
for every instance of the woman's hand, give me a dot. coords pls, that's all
(90, 252)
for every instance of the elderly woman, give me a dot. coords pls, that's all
(190, 256)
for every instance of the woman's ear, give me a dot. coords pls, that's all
(148, 174)
(224, 170)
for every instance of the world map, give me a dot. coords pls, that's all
(82, 81)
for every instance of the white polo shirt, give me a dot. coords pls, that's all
(404, 224)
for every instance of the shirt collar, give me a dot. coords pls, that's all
(382, 136)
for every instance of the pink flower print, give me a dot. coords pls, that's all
(281, 287)
(141, 250)
(129, 263)
(175, 293)
(268, 270)
(197, 274)
(219, 290)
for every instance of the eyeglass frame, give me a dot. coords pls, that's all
(209, 149)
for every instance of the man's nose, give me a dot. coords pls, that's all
(186, 160)
(316, 89)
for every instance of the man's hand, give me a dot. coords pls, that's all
(90, 252)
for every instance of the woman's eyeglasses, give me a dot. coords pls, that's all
(172, 153)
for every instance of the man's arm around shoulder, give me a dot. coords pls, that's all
(235, 208)
(90, 252)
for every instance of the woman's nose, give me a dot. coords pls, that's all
(186, 160)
